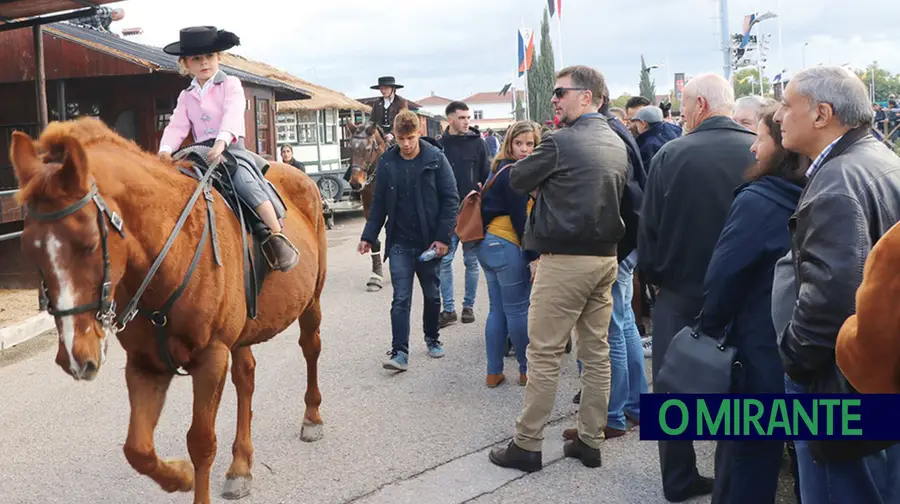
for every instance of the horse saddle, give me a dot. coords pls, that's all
(255, 266)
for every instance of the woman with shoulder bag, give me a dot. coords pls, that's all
(506, 265)
(738, 302)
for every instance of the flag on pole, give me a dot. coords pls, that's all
(555, 7)
(526, 51)
(505, 89)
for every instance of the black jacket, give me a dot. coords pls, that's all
(579, 173)
(633, 195)
(848, 204)
(436, 198)
(689, 192)
(654, 138)
(468, 155)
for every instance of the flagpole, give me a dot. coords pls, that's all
(559, 34)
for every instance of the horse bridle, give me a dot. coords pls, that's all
(105, 305)
(370, 170)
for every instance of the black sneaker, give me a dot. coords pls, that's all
(468, 315)
(447, 318)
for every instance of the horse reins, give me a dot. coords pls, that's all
(105, 306)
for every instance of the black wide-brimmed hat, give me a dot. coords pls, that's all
(202, 40)
(388, 82)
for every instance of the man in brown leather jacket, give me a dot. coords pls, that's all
(388, 106)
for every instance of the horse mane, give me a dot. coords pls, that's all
(89, 132)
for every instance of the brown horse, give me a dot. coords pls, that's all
(366, 146)
(99, 211)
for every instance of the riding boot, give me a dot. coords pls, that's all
(280, 253)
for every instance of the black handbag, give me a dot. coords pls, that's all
(696, 363)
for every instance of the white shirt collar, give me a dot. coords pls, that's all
(388, 101)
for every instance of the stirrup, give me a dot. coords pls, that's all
(271, 260)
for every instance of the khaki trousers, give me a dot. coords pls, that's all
(569, 291)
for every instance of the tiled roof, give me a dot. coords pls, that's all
(16, 10)
(434, 100)
(155, 59)
(491, 97)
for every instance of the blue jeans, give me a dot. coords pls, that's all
(874, 479)
(471, 261)
(509, 291)
(405, 265)
(628, 379)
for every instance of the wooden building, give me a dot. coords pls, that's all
(130, 86)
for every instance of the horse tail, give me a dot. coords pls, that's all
(323, 249)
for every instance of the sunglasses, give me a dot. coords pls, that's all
(561, 91)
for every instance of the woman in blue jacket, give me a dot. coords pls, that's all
(738, 303)
(505, 263)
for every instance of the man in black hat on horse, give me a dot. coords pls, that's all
(388, 106)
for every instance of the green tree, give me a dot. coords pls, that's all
(746, 83)
(620, 101)
(542, 76)
(885, 83)
(520, 109)
(647, 86)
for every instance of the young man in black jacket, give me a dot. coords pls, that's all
(415, 193)
(468, 155)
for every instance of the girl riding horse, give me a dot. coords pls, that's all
(212, 108)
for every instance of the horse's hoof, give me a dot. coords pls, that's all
(237, 487)
(311, 432)
(186, 469)
(372, 287)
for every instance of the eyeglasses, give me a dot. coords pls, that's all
(561, 91)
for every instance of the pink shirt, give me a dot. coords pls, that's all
(215, 110)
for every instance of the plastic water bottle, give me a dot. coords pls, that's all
(428, 255)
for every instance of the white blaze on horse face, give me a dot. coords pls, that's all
(66, 299)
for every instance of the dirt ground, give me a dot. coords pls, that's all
(17, 305)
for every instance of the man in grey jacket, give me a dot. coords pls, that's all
(852, 199)
(579, 173)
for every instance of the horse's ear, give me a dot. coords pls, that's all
(73, 176)
(370, 129)
(24, 158)
(352, 127)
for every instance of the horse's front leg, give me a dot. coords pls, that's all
(209, 379)
(147, 394)
(239, 477)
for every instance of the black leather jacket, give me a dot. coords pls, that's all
(849, 203)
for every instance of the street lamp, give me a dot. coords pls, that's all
(803, 56)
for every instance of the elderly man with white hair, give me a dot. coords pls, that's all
(852, 198)
(686, 202)
(748, 110)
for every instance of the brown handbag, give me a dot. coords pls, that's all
(469, 225)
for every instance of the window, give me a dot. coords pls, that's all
(328, 126)
(262, 126)
(286, 127)
(478, 114)
(306, 127)
(164, 109)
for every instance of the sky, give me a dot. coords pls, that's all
(455, 48)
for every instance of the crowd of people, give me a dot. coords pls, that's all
(751, 223)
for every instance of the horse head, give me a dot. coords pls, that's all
(366, 146)
(70, 235)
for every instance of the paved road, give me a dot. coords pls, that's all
(417, 437)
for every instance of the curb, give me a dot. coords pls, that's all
(15, 334)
